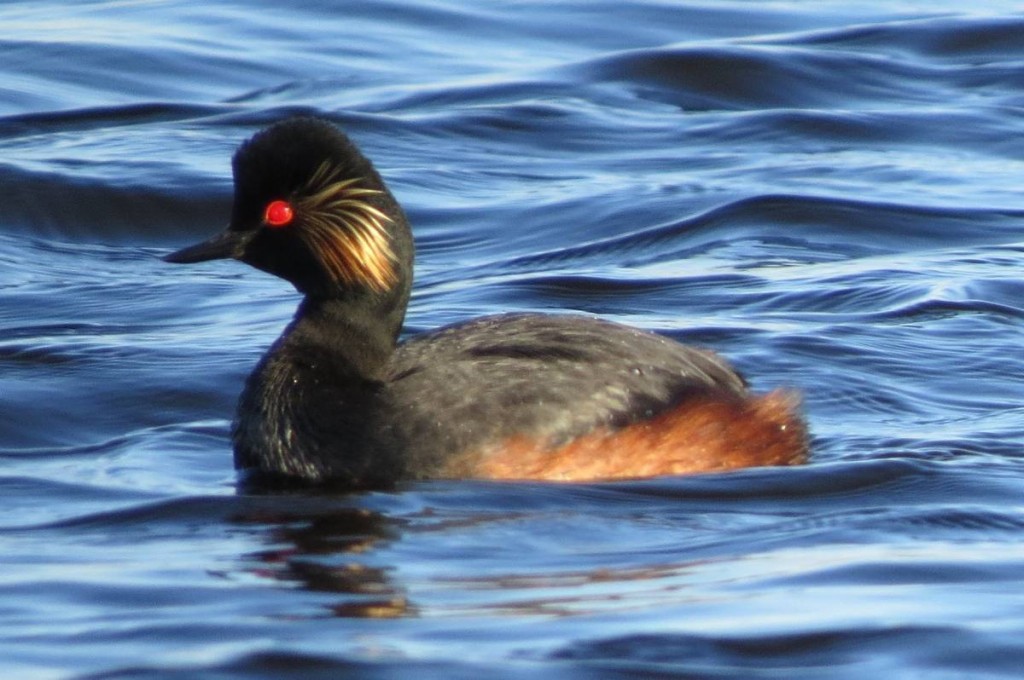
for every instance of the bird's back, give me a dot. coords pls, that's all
(545, 378)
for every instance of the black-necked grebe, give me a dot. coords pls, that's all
(520, 396)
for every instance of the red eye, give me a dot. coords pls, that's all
(278, 214)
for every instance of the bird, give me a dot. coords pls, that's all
(341, 399)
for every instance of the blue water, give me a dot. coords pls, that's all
(828, 193)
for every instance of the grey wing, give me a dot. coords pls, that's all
(546, 376)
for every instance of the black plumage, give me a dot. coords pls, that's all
(338, 399)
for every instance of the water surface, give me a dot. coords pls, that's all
(828, 193)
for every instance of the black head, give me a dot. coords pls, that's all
(310, 208)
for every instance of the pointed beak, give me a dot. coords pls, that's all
(228, 244)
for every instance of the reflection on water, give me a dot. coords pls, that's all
(315, 552)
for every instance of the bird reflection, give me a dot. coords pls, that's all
(313, 548)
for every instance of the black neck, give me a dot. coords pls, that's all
(355, 334)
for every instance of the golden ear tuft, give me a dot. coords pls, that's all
(347, 232)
